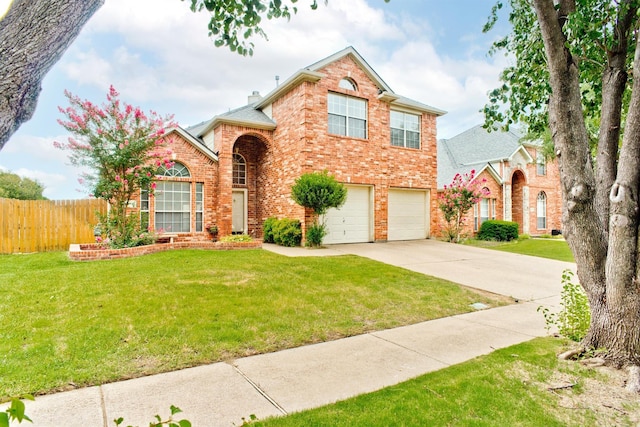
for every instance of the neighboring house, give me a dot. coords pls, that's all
(237, 169)
(523, 187)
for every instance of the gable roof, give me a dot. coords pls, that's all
(252, 115)
(246, 115)
(312, 73)
(475, 149)
(196, 142)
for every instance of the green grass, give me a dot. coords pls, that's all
(545, 248)
(508, 387)
(64, 322)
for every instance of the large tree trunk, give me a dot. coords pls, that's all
(600, 216)
(33, 36)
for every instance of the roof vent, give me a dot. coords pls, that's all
(254, 97)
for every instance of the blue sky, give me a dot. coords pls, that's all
(159, 57)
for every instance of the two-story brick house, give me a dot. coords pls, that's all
(523, 187)
(237, 169)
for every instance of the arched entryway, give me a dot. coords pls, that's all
(518, 183)
(247, 192)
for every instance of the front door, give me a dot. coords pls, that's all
(239, 212)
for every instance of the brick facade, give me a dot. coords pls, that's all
(286, 134)
(516, 198)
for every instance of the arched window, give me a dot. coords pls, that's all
(347, 84)
(177, 170)
(239, 170)
(542, 210)
(173, 208)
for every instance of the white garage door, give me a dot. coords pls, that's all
(352, 222)
(408, 215)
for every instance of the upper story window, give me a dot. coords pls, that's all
(347, 84)
(239, 170)
(347, 115)
(541, 164)
(177, 170)
(405, 129)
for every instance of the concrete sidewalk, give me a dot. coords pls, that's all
(222, 394)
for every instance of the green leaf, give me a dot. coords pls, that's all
(184, 423)
(4, 419)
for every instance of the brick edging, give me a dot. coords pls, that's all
(88, 253)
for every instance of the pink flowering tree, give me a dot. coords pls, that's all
(122, 148)
(457, 199)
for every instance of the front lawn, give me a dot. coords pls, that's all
(522, 385)
(67, 324)
(546, 248)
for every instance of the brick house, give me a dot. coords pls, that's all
(237, 169)
(523, 187)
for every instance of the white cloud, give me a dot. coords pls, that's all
(35, 157)
(158, 55)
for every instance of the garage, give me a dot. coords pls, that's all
(408, 214)
(352, 223)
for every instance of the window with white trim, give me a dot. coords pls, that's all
(199, 205)
(347, 84)
(541, 164)
(144, 209)
(173, 206)
(405, 129)
(541, 209)
(177, 170)
(347, 115)
(239, 170)
(483, 211)
(172, 201)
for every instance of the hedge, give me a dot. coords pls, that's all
(501, 231)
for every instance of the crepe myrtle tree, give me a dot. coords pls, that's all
(457, 199)
(577, 63)
(35, 34)
(318, 191)
(122, 148)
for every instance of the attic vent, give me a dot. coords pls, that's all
(347, 84)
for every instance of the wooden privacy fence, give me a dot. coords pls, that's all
(47, 225)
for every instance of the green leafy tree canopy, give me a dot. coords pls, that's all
(12, 186)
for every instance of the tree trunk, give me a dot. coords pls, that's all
(35, 34)
(606, 260)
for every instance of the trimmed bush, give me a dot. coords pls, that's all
(501, 231)
(287, 232)
(267, 229)
(315, 234)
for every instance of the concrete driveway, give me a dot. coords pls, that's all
(522, 277)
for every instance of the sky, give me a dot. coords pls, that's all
(158, 55)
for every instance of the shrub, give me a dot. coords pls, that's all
(501, 231)
(267, 229)
(315, 234)
(127, 233)
(287, 232)
(574, 316)
(318, 191)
